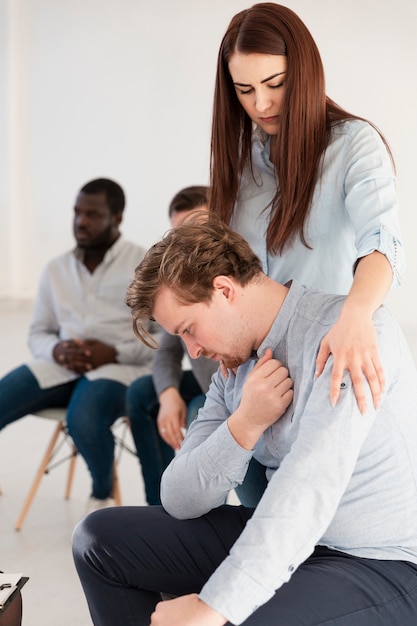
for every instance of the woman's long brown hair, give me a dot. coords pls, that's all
(306, 119)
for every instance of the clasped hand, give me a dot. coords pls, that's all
(83, 355)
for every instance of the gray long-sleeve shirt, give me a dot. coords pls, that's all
(336, 477)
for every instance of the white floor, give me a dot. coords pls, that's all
(42, 549)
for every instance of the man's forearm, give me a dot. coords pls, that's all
(205, 470)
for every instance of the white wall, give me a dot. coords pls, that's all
(123, 88)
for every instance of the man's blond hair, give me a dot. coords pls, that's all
(186, 260)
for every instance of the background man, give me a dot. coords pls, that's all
(84, 353)
(162, 405)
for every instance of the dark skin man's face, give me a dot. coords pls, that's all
(94, 225)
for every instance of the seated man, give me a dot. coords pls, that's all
(162, 405)
(80, 336)
(333, 539)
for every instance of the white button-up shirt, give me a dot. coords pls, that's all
(73, 302)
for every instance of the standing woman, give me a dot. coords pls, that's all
(309, 185)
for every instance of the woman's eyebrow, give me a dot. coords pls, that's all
(265, 80)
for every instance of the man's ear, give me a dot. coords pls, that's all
(117, 218)
(225, 285)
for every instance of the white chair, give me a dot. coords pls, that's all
(59, 438)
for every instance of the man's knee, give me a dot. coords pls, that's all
(95, 406)
(140, 397)
(88, 535)
(19, 395)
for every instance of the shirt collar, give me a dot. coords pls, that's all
(283, 319)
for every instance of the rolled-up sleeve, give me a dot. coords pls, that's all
(371, 198)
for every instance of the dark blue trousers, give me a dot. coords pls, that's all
(92, 408)
(126, 556)
(142, 409)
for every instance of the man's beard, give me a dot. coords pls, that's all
(101, 241)
(232, 363)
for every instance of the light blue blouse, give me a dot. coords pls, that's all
(354, 211)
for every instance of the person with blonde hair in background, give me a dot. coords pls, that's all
(162, 405)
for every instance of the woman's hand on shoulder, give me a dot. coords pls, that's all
(353, 344)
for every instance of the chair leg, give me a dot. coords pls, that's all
(116, 486)
(41, 471)
(120, 440)
(71, 471)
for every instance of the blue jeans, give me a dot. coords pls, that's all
(252, 488)
(126, 555)
(142, 409)
(92, 408)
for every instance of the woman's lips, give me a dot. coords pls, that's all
(269, 120)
